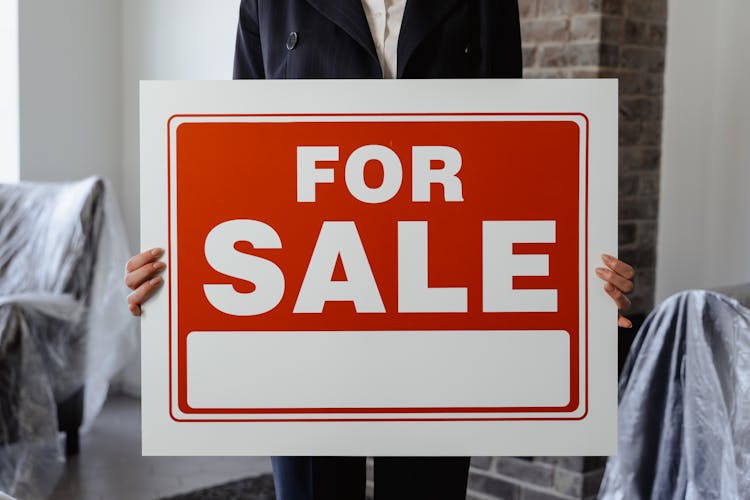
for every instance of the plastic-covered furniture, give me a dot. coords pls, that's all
(64, 328)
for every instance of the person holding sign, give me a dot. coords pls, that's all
(374, 39)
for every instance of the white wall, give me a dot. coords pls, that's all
(80, 63)
(168, 40)
(9, 91)
(704, 219)
(70, 123)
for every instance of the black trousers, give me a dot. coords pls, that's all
(396, 478)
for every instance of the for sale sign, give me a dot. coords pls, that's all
(380, 267)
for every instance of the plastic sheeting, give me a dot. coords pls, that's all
(684, 414)
(63, 322)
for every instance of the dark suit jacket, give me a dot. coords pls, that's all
(331, 39)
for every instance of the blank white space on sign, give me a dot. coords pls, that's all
(280, 369)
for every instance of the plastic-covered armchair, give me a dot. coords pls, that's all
(684, 411)
(63, 325)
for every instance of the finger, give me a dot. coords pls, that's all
(143, 292)
(143, 258)
(623, 303)
(136, 278)
(135, 309)
(619, 266)
(624, 322)
(625, 285)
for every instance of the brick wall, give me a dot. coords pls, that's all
(634, 34)
(538, 478)
(621, 39)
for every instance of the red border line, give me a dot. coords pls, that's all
(385, 410)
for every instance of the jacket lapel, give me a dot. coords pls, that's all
(420, 17)
(349, 16)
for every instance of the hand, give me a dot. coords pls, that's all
(141, 276)
(619, 281)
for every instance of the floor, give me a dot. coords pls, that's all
(110, 465)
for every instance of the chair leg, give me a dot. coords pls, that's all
(70, 417)
(71, 442)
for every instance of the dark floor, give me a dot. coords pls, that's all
(110, 465)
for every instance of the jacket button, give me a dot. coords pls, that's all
(291, 40)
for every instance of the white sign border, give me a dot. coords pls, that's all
(595, 434)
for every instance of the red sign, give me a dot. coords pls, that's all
(382, 223)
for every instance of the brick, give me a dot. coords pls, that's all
(651, 132)
(586, 27)
(536, 473)
(546, 72)
(583, 6)
(592, 481)
(647, 285)
(629, 82)
(657, 34)
(642, 59)
(550, 72)
(629, 185)
(640, 108)
(568, 482)
(551, 8)
(642, 299)
(637, 208)
(533, 494)
(647, 233)
(567, 463)
(642, 259)
(611, 72)
(630, 132)
(573, 54)
(651, 158)
(641, 304)
(616, 7)
(555, 56)
(639, 159)
(630, 159)
(626, 234)
(651, 10)
(545, 30)
(641, 84)
(369, 478)
(568, 7)
(583, 73)
(612, 28)
(649, 184)
(609, 55)
(470, 495)
(635, 32)
(529, 56)
(527, 8)
(482, 463)
(494, 486)
(627, 108)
